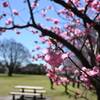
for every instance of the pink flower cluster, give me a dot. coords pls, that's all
(33, 5)
(58, 80)
(53, 58)
(95, 4)
(5, 4)
(8, 21)
(15, 12)
(98, 58)
(53, 20)
(86, 73)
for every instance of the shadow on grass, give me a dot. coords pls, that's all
(14, 75)
(77, 95)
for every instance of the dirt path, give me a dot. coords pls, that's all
(10, 98)
(5, 97)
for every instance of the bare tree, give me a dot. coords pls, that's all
(12, 55)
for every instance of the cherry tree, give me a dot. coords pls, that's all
(68, 25)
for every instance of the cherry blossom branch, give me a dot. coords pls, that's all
(83, 16)
(31, 13)
(91, 78)
(80, 56)
(96, 16)
(80, 68)
(51, 34)
(83, 44)
(86, 8)
(74, 10)
(11, 13)
(92, 56)
(46, 32)
(16, 26)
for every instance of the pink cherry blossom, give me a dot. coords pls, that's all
(75, 1)
(37, 47)
(56, 21)
(76, 72)
(65, 55)
(34, 31)
(81, 9)
(2, 30)
(58, 80)
(17, 32)
(62, 11)
(64, 80)
(78, 21)
(15, 12)
(48, 19)
(78, 32)
(97, 70)
(49, 42)
(43, 12)
(43, 39)
(92, 73)
(34, 5)
(47, 57)
(54, 58)
(5, 4)
(96, 5)
(1, 17)
(98, 58)
(49, 7)
(45, 51)
(8, 21)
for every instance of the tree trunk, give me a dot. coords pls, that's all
(66, 88)
(51, 83)
(78, 84)
(98, 94)
(10, 71)
(96, 84)
(98, 91)
(73, 84)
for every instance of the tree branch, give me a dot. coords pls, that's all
(31, 13)
(83, 16)
(77, 52)
(17, 26)
(51, 34)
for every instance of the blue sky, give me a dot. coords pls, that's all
(26, 37)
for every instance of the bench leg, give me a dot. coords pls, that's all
(22, 97)
(41, 96)
(13, 97)
(34, 97)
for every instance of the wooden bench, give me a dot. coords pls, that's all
(22, 94)
(31, 91)
(37, 91)
(41, 92)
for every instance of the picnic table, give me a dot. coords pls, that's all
(34, 91)
(34, 88)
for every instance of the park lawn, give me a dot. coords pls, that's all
(7, 84)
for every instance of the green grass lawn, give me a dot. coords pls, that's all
(7, 84)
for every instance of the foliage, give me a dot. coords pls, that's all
(35, 69)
